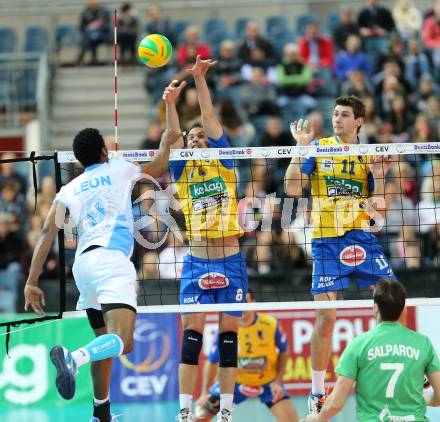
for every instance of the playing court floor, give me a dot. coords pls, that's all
(250, 411)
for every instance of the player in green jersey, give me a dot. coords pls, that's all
(388, 364)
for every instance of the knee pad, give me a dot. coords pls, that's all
(227, 347)
(191, 346)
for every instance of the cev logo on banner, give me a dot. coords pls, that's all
(157, 345)
(24, 387)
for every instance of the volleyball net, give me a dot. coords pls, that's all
(276, 230)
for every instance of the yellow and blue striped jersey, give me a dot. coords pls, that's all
(340, 186)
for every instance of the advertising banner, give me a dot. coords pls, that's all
(27, 377)
(298, 326)
(150, 371)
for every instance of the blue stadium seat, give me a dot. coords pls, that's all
(375, 45)
(8, 40)
(179, 28)
(276, 25)
(215, 30)
(27, 89)
(5, 94)
(36, 39)
(302, 21)
(333, 20)
(240, 26)
(66, 36)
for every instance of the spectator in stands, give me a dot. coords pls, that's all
(316, 123)
(356, 84)
(8, 172)
(293, 78)
(408, 18)
(192, 47)
(416, 64)
(10, 252)
(351, 59)
(188, 108)
(431, 35)
(316, 49)
(50, 267)
(375, 20)
(372, 122)
(422, 131)
(239, 130)
(227, 72)
(429, 205)
(401, 221)
(433, 110)
(395, 52)
(159, 24)
(426, 89)
(408, 180)
(94, 29)
(345, 28)
(171, 257)
(154, 132)
(258, 59)
(254, 40)
(400, 117)
(391, 70)
(11, 204)
(128, 27)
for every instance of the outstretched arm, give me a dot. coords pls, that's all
(170, 96)
(172, 137)
(33, 295)
(209, 120)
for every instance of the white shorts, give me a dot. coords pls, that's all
(104, 276)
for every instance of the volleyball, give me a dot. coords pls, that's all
(155, 50)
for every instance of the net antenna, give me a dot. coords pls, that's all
(115, 55)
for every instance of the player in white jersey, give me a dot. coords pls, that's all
(99, 203)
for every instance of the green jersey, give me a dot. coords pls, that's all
(388, 363)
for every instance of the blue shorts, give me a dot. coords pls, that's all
(355, 255)
(221, 280)
(243, 392)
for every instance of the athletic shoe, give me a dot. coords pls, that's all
(66, 371)
(185, 416)
(315, 403)
(224, 415)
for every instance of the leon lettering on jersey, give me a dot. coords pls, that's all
(92, 184)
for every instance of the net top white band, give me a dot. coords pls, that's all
(274, 152)
(266, 306)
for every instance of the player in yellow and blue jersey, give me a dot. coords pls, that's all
(343, 244)
(262, 358)
(214, 271)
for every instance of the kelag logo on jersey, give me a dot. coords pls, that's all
(210, 187)
(149, 372)
(339, 186)
(353, 255)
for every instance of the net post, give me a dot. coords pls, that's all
(61, 249)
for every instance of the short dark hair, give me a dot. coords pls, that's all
(390, 298)
(354, 102)
(87, 146)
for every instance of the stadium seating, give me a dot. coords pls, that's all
(179, 28)
(36, 39)
(8, 40)
(276, 25)
(302, 21)
(66, 36)
(333, 20)
(240, 26)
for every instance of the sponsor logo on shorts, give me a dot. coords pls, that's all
(326, 282)
(249, 391)
(213, 281)
(353, 255)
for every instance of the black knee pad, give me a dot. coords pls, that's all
(191, 346)
(227, 347)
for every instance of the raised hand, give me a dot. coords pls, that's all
(200, 67)
(170, 136)
(34, 296)
(173, 90)
(380, 165)
(301, 132)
